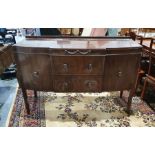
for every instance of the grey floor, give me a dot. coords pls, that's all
(8, 90)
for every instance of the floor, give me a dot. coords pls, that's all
(8, 91)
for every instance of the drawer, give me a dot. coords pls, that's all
(89, 65)
(62, 84)
(78, 83)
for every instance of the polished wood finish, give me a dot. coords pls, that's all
(120, 69)
(77, 64)
(77, 83)
(35, 69)
(64, 65)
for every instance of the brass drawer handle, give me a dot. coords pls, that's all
(91, 84)
(78, 51)
(119, 74)
(90, 67)
(35, 74)
(71, 52)
(84, 52)
(65, 67)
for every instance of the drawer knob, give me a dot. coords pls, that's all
(35, 74)
(90, 67)
(65, 67)
(119, 74)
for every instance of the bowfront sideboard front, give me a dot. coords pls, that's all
(77, 65)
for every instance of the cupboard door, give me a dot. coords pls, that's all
(120, 71)
(35, 70)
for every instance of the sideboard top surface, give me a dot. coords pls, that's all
(78, 43)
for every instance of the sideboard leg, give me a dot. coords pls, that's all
(35, 93)
(26, 101)
(121, 93)
(130, 101)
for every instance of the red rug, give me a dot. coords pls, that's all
(19, 116)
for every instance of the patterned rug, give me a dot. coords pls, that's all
(80, 110)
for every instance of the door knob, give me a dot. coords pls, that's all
(35, 74)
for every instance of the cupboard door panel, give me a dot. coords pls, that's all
(35, 70)
(120, 71)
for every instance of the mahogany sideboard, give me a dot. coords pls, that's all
(77, 64)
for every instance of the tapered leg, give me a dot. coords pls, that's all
(26, 101)
(130, 101)
(121, 93)
(35, 93)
